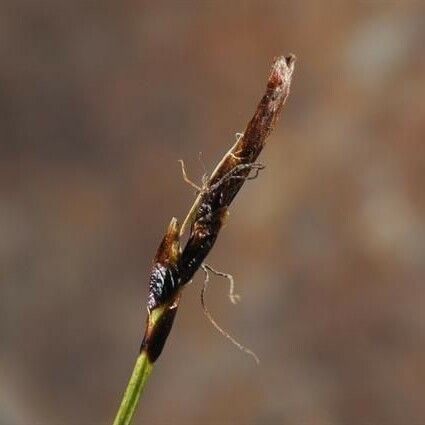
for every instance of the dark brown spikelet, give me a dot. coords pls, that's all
(172, 269)
(210, 208)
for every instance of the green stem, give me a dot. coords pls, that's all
(135, 387)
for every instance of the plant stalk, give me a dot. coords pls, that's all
(135, 387)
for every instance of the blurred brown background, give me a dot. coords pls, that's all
(98, 101)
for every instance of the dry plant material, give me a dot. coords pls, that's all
(173, 266)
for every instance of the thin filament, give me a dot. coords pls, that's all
(217, 326)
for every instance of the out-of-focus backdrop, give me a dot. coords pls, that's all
(98, 101)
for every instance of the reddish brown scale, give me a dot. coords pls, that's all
(203, 235)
